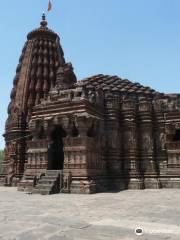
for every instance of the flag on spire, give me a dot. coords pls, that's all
(49, 6)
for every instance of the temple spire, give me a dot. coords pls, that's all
(43, 21)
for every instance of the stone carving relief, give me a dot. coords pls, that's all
(67, 181)
(129, 140)
(147, 143)
(171, 105)
(160, 104)
(162, 140)
(92, 96)
(114, 139)
(145, 106)
(128, 104)
(177, 126)
(65, 76)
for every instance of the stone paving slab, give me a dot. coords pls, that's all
(104, 216)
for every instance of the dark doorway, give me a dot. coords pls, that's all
(176, 137)
(56, 154)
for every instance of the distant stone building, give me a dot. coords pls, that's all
(98, 134)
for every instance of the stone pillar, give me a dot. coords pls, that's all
(146, 141)
(160, 150)
(113, 140)
(130, 145)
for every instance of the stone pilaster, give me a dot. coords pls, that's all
(113, 139)
(160, 146)
(146, 141)
(130, 145)
(14, 160)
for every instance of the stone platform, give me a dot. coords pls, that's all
(105, 216)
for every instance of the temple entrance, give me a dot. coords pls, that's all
(55, 153)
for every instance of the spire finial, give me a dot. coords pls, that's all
(43, 16)
(43, 22)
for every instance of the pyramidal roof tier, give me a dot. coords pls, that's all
(115, 83)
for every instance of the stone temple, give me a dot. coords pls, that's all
(102, 133)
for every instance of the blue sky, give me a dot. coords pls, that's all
(135, 39)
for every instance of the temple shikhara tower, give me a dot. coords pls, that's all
(102, 133)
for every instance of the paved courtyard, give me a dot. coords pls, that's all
(105, 216)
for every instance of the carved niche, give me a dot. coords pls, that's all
(65, 76)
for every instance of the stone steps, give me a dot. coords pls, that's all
(46, 181)
(50, 183)
(52, 172)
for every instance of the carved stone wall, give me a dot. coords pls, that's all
(84, 156)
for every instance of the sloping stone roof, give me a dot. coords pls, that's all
(114, 83)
